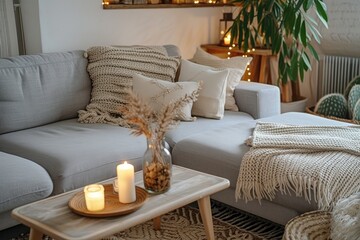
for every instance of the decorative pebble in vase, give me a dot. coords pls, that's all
(157, 167)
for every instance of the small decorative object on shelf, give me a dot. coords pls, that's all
(143, 120)
(225, 24)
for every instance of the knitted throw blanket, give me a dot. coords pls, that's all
(320, 162)
(111, 70)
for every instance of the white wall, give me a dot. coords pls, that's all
(79, 24)
(342, 38)
(343, 35)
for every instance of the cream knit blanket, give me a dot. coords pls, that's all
(320, 162)
(111, 70)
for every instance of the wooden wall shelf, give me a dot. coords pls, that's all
(160, 5)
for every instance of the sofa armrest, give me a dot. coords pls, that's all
(257, 99)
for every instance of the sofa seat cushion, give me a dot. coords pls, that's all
(22, 182)
(187, 129)
(220, 151)
(76, 154)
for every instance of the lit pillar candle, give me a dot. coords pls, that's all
(227, 39)
(126, 183)
(94, 197)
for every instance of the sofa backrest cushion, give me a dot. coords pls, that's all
(43, 88)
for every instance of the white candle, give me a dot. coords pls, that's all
(94, 197)
(227, 39)
(126, 183)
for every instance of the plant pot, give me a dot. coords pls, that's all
(311, 111)
(296, 106)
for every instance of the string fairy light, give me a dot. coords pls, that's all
(244, 55)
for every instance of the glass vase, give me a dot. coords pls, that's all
(157, 167)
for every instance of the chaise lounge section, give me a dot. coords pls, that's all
(220, 151)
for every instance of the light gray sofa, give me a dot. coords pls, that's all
(45, 151)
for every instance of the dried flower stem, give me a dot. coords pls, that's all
(143, 120)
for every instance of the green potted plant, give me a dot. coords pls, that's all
(288, 28)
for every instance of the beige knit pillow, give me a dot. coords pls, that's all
(111, 70)
(159, 93)
(236, 66)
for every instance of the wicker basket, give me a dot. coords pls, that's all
(313, 225)
(311, 111)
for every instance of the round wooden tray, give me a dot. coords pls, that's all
(112, 205)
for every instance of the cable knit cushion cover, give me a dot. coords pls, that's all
(236, 66)
(111, 70)
(211, 99)
(159, 93)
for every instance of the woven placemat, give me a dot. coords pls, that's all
(313, 225)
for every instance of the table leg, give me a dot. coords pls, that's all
(35, 234)
(263, 77)
(206, 216)
(157, 223)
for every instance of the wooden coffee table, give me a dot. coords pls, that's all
(52, 216)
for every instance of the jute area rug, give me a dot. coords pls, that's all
(185, 224)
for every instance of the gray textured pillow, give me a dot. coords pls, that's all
(111, 70)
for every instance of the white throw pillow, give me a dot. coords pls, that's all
(158, 93)
(211, 99)
(236, 66)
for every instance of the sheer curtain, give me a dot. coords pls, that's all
(8, 37)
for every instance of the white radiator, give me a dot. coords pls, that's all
(335, 72)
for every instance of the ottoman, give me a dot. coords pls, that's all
(22, 182)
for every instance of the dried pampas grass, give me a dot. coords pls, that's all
(142, 119)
